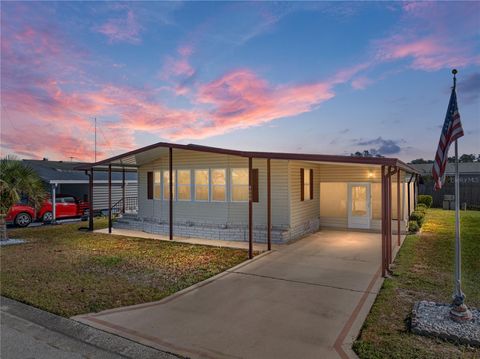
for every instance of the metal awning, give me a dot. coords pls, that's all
(144, 155)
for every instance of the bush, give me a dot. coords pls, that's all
(421, 207)
(418, 217)
(413, 226)
(425, 199)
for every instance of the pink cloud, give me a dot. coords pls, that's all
(122, 29)
(40, 98)
(47, 89)
(428, 53)
(178, 67)
(361, 83)
(425, 36)
(41, 112)
(241, 99)
(415, 6)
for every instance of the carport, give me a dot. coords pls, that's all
(304, 300)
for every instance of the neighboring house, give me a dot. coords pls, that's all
(212, 197)
(65, 179)
(469, 183)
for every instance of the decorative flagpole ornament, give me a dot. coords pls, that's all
(451, 131)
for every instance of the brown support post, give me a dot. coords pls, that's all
(123, 190)
(384, 222)
(269, 206)
(389, 217)
(408, 193)
(408, 198)
(170, 184)
(398, 207)
(415, 190)
(109, 198)
(250, 208)
(90, 200)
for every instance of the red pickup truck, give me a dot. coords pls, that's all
(66, 206)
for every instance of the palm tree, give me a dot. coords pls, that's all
(17, 180)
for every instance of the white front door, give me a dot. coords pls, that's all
(359, 205)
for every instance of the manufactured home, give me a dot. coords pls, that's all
(215, 193)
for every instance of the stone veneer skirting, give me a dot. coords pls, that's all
(228, 232)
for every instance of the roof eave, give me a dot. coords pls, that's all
(271, 155)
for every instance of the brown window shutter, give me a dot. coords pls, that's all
(311, 184)
(255, 185)
(302, 187)
(149, 185)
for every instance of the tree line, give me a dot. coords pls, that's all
(465, 158)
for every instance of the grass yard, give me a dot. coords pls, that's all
(68, 272)
(424, 270)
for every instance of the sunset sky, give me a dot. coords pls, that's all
(295, 77)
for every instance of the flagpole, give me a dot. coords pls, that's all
(458, 252)
(459, 311)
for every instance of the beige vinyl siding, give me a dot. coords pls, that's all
(333, 199)
(309, 209)
(334, 222)
(376, 193)
(218, 212)
(349, 173)
(100, 193)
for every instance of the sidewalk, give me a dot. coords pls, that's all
(260, 247)
(28, 332)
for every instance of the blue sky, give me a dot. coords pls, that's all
(326, 77)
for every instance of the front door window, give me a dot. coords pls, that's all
(359, 201)
(359, 205)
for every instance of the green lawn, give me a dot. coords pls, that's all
(69, 272)
(423, 270)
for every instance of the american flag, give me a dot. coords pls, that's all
(452, 130)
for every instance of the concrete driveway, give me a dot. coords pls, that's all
(305, 300)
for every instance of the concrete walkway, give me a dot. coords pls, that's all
(304, 300)
(260, 247)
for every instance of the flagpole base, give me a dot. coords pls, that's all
(461, 314)
(459, 311)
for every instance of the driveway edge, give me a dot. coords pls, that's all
(349, 333)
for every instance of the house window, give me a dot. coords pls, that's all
(184, 186)
(239, 184)
(157, 185)
(166, 185)
(219, 184)
(306, 180)
(201, 185)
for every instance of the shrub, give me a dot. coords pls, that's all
(413, 226)
(418, 217)
(425, 199)
(421, 207)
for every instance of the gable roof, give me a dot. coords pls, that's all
(145, 154)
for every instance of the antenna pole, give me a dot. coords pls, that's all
(95, 139)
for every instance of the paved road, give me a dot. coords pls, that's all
(23, 339)
(28, 333)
